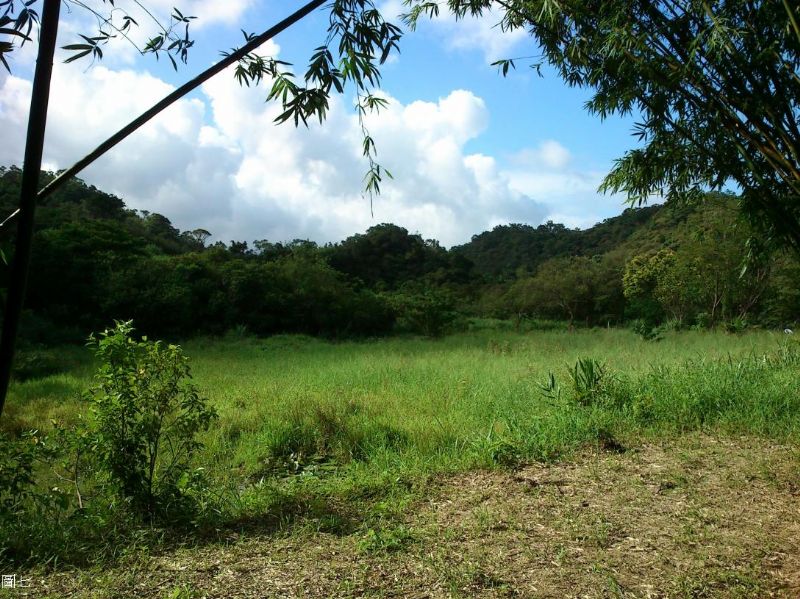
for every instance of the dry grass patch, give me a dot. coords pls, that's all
(699, 516)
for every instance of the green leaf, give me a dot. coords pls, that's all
(75, 57)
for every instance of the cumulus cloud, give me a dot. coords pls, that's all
(218, 161)
(548, 153)
(548, 173)
(315, 174)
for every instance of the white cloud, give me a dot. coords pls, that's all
(485, 34)
(219, 162)
(548, 153)
(470, 33)
(547, 173)
(14, 106)
(315, 174)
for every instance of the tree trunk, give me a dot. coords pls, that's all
(34, 146)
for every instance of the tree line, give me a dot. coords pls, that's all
(95, 260)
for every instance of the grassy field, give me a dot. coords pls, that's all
(346, 439)
(420, 405)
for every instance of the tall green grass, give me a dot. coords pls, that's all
(438, 401)
(306, 424)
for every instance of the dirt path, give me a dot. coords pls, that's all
(698, 517)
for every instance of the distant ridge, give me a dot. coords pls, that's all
(506, 250)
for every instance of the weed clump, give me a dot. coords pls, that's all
(590, 383)
(321, 437)
(386, 539)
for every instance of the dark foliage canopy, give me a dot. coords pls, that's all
(126, 264)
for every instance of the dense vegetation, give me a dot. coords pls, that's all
(96, 260)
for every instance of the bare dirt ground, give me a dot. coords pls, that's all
(700, 516)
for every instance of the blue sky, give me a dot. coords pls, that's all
(469, 148)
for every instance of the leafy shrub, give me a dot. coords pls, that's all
(30, 512)
(136, 444)
(17, 458)
(145, 416)
(427, 311)
(646, 329)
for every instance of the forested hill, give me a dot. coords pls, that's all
(78, 205)
(509, 250)
(95, 260)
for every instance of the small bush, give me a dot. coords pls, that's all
(145, 416)
(29, 512)
(646, 329)
(17, 459)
